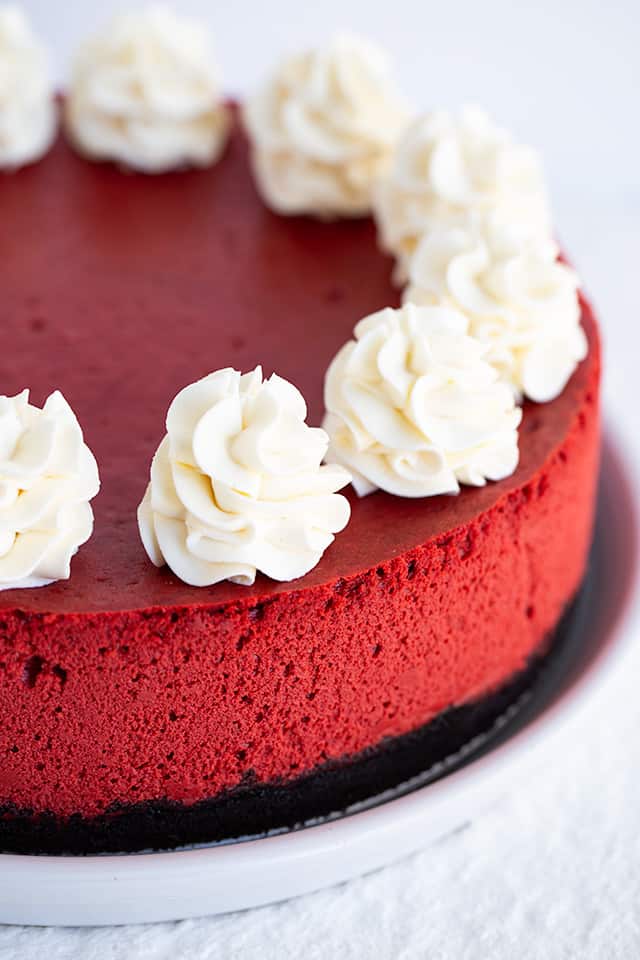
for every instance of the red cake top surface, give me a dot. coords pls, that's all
(120, 289)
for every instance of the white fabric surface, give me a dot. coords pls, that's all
(552, 870)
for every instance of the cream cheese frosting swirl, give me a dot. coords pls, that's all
(48, 475)
(237, 486)
(145, 94)
(414, 409)
(323, 128)
(521, 302)
(28, 114)
(448, 171)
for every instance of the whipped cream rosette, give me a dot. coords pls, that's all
(28, 114)
(145, 93)
(323, 128)
(237, 484)
(413, 407)
(48, 475)
(448, 171)
(520, 300)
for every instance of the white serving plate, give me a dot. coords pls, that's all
(157, 886)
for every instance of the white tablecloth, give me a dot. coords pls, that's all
(553, 871)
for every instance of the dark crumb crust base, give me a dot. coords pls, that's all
(398, 765)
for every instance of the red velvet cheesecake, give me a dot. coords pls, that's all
(138, 711)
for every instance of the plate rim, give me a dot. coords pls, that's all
(219, 878)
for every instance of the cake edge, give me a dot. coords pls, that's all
(251, 810)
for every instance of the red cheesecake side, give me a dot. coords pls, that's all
(123, 685)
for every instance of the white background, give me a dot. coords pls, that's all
(563, 74)
(554, 871)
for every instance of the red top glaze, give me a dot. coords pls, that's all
(124, 683)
